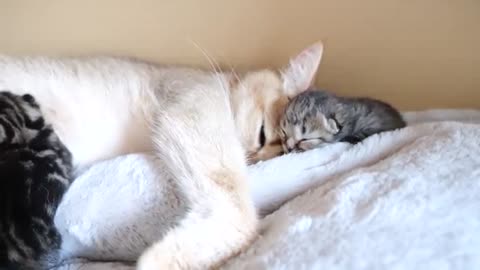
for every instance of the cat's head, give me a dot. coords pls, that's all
(309, 122)
(15, 112)
(259, 99)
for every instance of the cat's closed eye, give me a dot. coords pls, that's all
(261, 136)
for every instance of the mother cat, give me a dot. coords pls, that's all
(203, 126)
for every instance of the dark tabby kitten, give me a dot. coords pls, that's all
(315, 118)
(35, 171)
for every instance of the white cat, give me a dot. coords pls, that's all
(203, 126)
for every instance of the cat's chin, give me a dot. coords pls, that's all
(298, 150)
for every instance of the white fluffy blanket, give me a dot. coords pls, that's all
(408, 199)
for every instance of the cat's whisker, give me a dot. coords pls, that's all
(213, 64)
(235, 74)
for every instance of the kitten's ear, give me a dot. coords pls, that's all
(300, 73)
(333, 125)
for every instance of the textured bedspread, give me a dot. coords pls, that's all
(408, 199)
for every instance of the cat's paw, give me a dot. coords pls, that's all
(154, 258)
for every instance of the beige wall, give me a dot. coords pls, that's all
(416, 54)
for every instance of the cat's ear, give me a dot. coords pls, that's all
(300, 73)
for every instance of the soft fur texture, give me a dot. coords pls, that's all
(35, 172)
(315, 118)
(408, 199)
(202, 127)
(146, 205)
(393, 201)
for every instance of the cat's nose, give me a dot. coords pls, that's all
(284, 148)
(290, 145)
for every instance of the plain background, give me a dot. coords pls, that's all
(414, 53)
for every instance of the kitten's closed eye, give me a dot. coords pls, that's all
(307, 144)
(313, 140)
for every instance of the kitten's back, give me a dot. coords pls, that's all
(358, 117)
(374, 114)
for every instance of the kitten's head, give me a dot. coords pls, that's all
(308, 123)
(259, 99)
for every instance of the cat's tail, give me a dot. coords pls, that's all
(44, 262)
(18, 255)
(51, 260)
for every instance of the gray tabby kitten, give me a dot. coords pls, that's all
(315, 118)
(35, 172)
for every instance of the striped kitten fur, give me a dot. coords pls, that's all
(315, 118)
(35, 171)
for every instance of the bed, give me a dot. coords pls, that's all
(407, 199)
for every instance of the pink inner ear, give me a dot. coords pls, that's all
(303, 57)
(309, 60)
(300, 74)
(315, 51)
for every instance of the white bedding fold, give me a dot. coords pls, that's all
(403, 200)
(391, 202)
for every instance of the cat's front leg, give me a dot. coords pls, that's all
(217, 227)
(208, 166)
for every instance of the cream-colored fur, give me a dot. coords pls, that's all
(203, 126)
